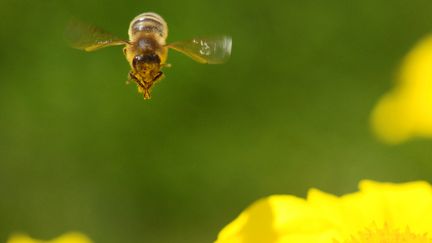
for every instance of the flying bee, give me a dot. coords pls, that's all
(146, 50)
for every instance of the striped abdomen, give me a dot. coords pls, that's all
(148, 23)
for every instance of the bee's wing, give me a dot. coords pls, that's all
(87, 37)
(211, 50)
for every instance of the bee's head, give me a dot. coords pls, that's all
(146, 62)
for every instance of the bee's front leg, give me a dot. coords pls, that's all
(158, 77)
(142, 87)
(132, 77)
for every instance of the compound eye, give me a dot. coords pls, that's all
(138, 59)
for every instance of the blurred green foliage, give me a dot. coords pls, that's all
(80, 150)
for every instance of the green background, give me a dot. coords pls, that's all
(80, 150)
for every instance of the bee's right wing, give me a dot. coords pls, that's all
(211, 50)
(90, 38)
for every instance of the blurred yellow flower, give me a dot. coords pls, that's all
(72, 237)
(378, 213)
(406, 111)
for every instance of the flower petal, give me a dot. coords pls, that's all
(327, 218)
(406, 111)
(72, 237)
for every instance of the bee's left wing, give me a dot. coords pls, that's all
(211, 50)
(87, 37)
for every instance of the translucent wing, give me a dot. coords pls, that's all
(90, 38)
(212, 50)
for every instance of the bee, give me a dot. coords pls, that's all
(146, 50)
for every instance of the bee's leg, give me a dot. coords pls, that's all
(144, 88)
(131, 77)
(146, 94)
(158, 77)
(168, 65)
(135, 79)
(141, 86)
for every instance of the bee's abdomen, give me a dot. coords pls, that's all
(150, 23)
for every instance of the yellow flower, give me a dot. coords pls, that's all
(378, 213)
(406, 111)
(72, 237)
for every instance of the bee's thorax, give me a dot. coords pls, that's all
(146, 44)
